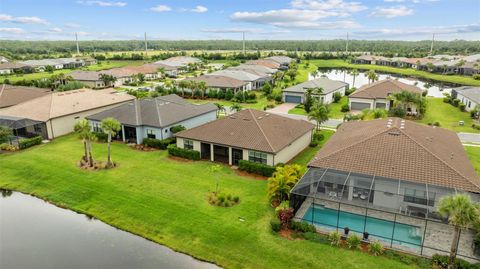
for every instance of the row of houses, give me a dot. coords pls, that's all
(30, 66)
(445, 64)
(251, 75)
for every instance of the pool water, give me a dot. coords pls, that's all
(404, 234)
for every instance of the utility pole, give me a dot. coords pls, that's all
(146, 48)
(243, 42)
(346, 45)
(76, 39)
(431, 46)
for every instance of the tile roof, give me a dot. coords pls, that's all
(280, 59)
(60, 104)
(236, 74)
(155, 112)
(326, 84)
(8, 65)
(472, 93)
(13, 95)
(381, 89)
(266, 63)
(251, 129)
(255, 67)
(400, 149)
(214, 81)
(85, 75)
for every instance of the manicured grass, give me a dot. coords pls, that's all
(165, 201)
(464, 80)
(260, 104)
(335, 109)
(33, 76)
(103, 65)
(447, 115)
(307, 155)
(473, 153)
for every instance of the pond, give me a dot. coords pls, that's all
(434, 89)
(36, 234)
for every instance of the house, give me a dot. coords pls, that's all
(14, 95)
(55, 114)
(169, 70)
(386, 177)
(468, 95)
(222, 83)
(88, 60)
(251, 135)
(150, 71)
(297, 94)
(267, 63)
(283, 61)
(176, 65)
(375, 95)
(254, 80)
(90, 79)
(12, 67)
(154, 117)
(370, 59)
(59, 63)
(255, 68)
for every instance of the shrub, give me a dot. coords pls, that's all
(157, 143)
(476, 76)
(350, 91)
(29, 142)
(397, 112)
(256, 168)
(101, 136)
(302, 227)
(223, 199)
(275, 225)
(221, 94)
(446, 99)
(251, 96)
(442, 262)
(285, 215)
(336, 97)
(229, 95)
(462, 106)
(437, 124)
(183, 153)
(345, 108)
(476, 126)
(7, 147)
(353, 241)
(72, 85)
(376, 248)
(177, 128)
(473, 113)
(318, 136)
(313, 144)
(334, 238)
(455, 102)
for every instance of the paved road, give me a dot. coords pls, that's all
(469, 137)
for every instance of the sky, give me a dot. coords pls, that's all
(259, 19)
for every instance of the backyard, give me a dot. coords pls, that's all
(260, 103)
(165, 200)
(473, 153)
(334, 113)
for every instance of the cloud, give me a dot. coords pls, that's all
(241, 30)
(392, 12)
(102, 3)
(199, 9)
(305, 14)
(160, 8)
(72, 25)
(22, 20)
(394, 1)
(419, 31)
(55, 30)
(16, 31)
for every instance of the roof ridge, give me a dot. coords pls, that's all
(263, 133)
(137, 105)
(158, 112)
(2, 90)
(438, 158)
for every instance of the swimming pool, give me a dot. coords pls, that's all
(404, 234)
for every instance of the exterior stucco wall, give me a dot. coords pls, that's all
(293, 149)
(361, 100)
(469, 104)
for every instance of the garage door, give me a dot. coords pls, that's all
(293, 99)
(381, 105)
(359, 106)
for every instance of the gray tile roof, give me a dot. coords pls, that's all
(326, 84)
(155, 112)
(472, 93)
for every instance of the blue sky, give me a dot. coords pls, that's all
(260, 19)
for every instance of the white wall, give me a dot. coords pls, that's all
(467, 101)
(292, 150)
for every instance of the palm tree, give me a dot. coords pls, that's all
(236, 107)
(84, 130)
(161, 70)
(192, 84)
(183, 84)
(110, 126)
(220, 108)
(319, 113)
(406, 99)
(315, 74)
(354, 74)
(461, 213)
(202, 86)
(372, 76)
(108, 80)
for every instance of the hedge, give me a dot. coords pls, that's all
(29, 142)
(157, 143)
(256, 168)
(101, 136)
(184, 153)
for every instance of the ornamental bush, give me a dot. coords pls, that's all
(256, 168)
(173, 150)
(376, 248)
(353, 241)
(157, 143)
(29, 142)
(335, 238)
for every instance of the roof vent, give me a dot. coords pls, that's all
(394, 133)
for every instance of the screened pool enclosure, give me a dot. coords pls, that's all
(399, 213)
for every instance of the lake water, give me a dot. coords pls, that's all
(36, 234)
(434, 89)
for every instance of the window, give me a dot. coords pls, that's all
(419, 197)
(187, 144)
(96, 127)
(257, 157)
(151, 133)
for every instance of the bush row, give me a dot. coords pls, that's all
(101, 136)
(256, 168)
(183, 153)
(442, 262)
(29, 142)
(157, 143)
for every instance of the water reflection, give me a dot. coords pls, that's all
(35, 234)
(434, 89)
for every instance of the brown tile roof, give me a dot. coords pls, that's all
(13, 95)
(215, 81)
(60, 104)
(144, 69)
(399, 149)
(267, 63)
(12, 65)
(85, 75)
(381, 89)
(251, 129)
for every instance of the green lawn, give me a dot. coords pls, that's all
(465, 80)
(165, 201)
(335, 109)
(307, 155)
(447, 115)
(103, 65)
(260, 104)
(473, 153)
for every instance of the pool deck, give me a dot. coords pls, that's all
(436, 236)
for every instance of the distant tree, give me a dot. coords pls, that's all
(202, 86)
(183, 84)
(49, 68)
(354, 74)
(267, 89)
(5, 133)
(110, 126)
(108, 80)
(372, 76)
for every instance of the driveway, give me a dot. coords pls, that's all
(469, 137)
(282, 109)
